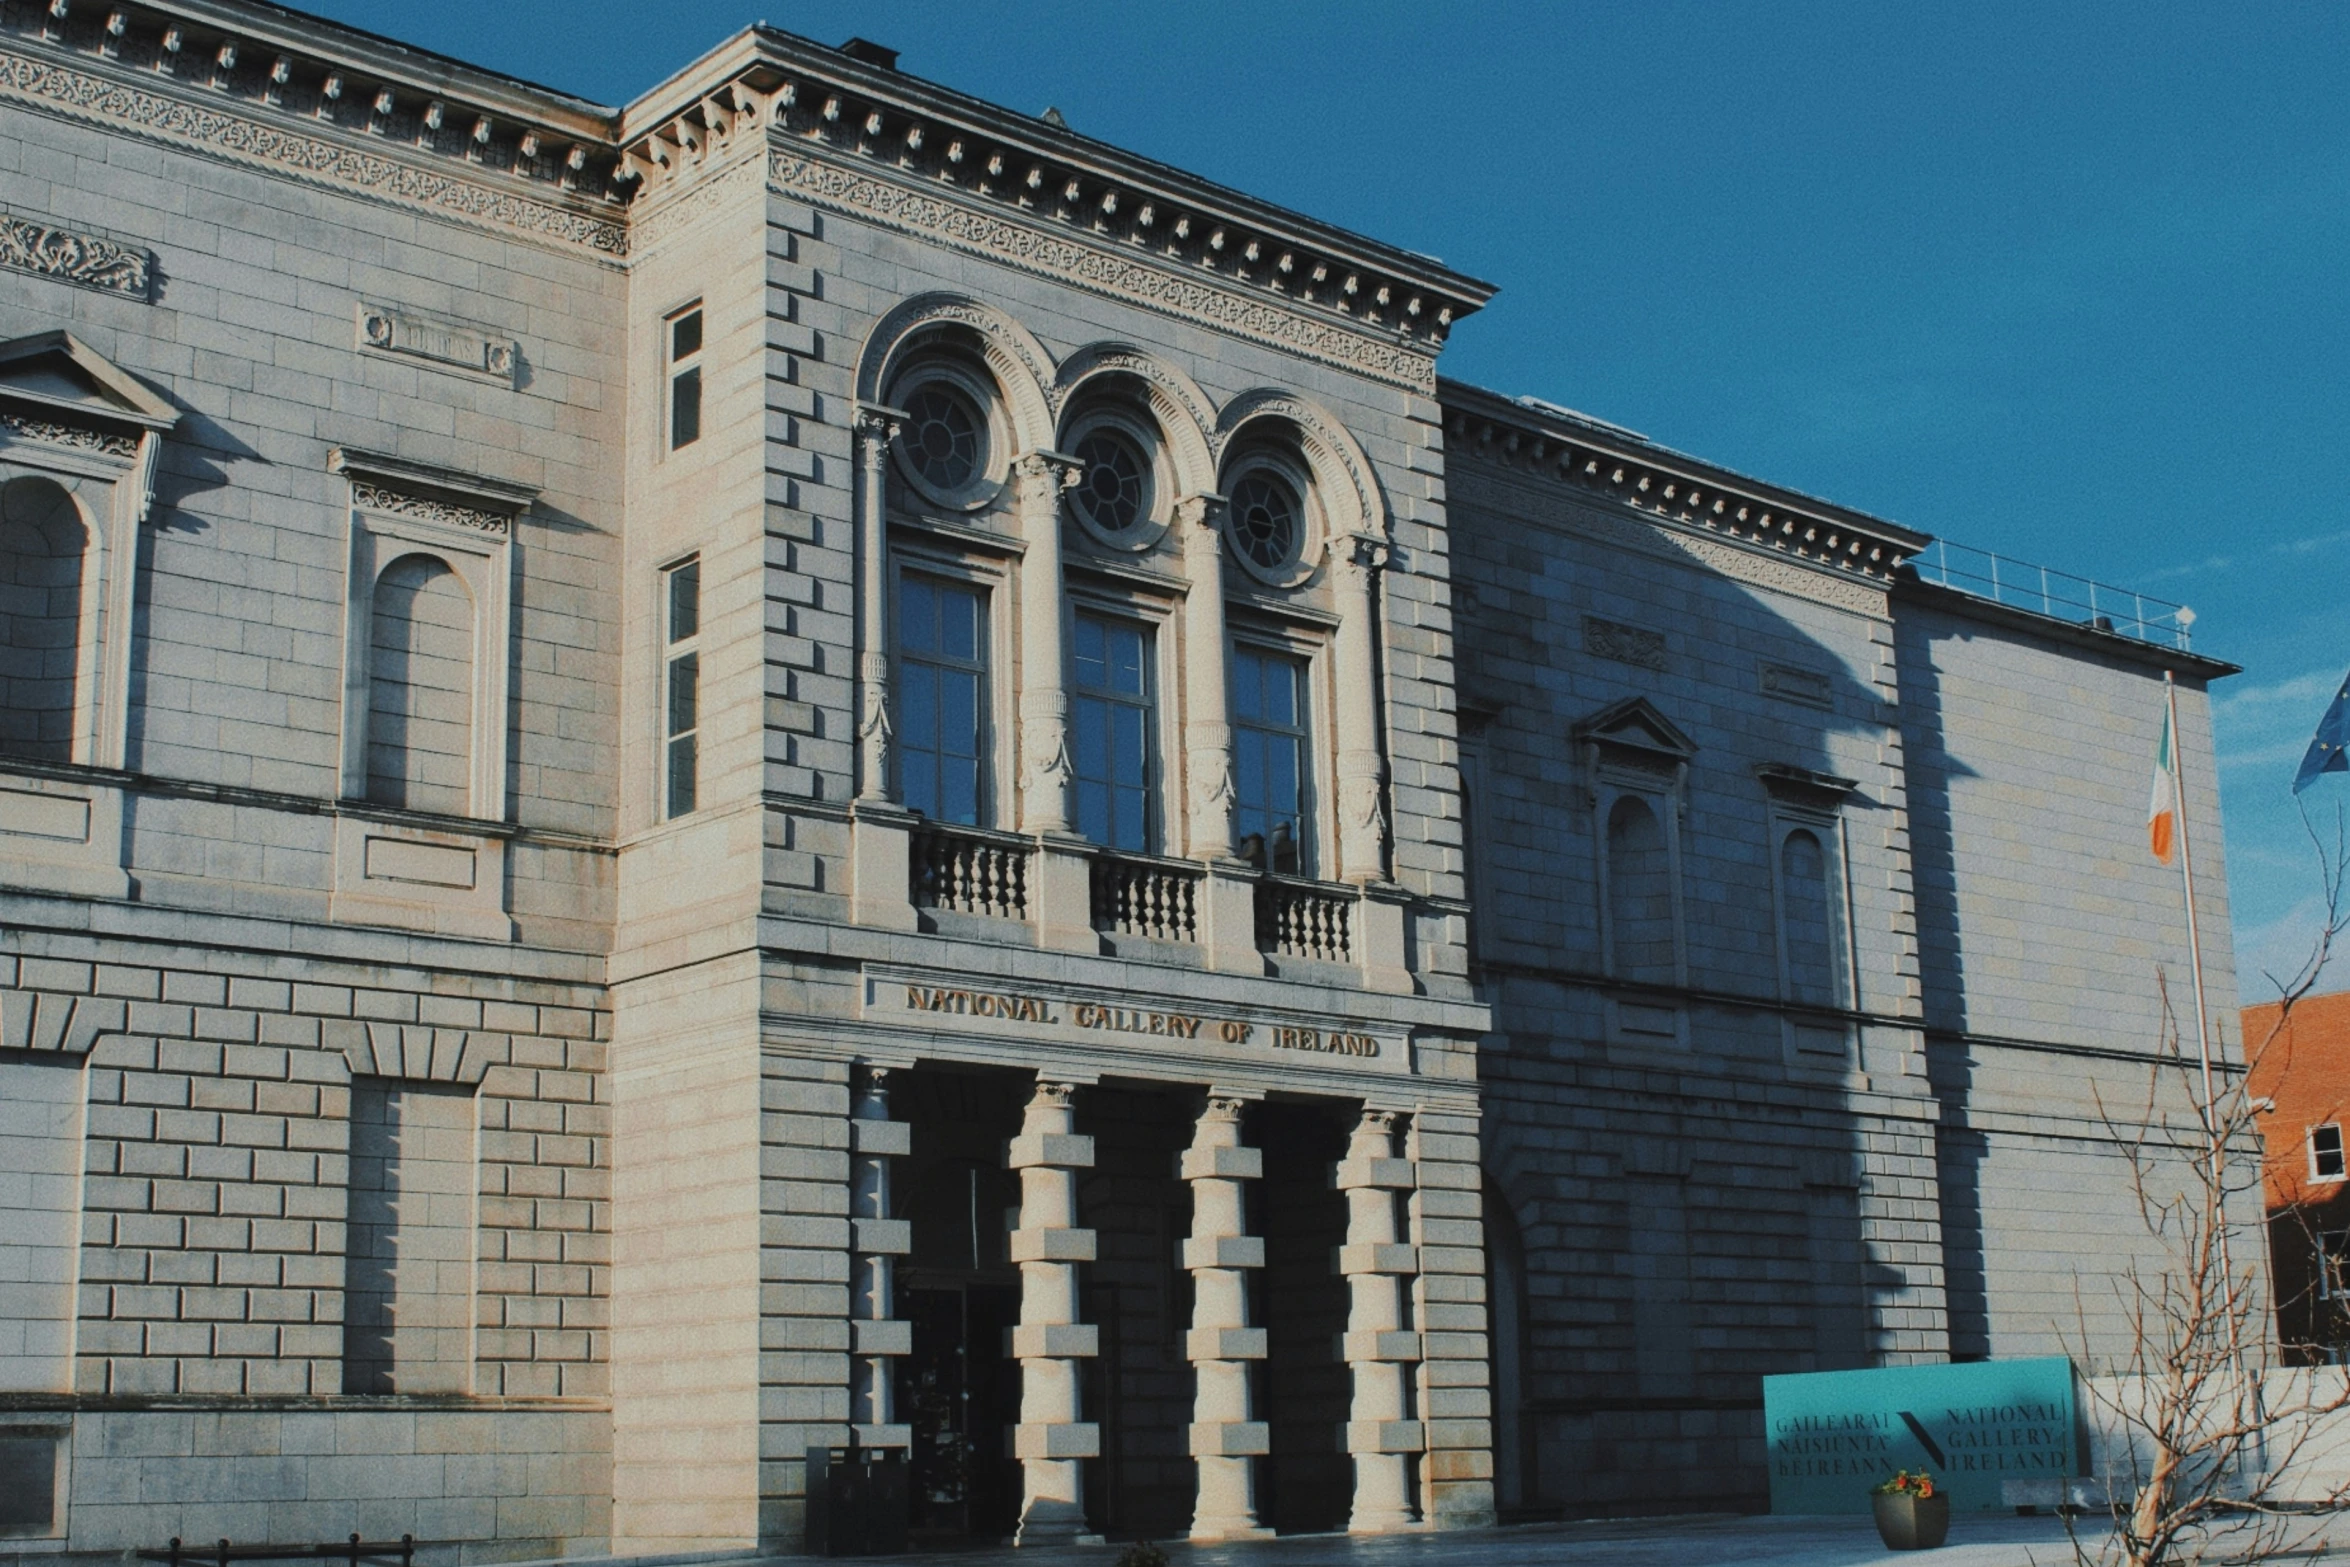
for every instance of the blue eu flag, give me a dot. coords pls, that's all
(2326, 746)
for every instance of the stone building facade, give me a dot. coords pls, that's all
(811, 765)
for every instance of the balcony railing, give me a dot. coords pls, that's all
(1305, 919)
(2054, 593)
(968, 870)
(1134, 896)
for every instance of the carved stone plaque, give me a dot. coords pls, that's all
(1634, 645)
(447, 344)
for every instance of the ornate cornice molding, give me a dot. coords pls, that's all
(1067, 259)
(374, 497)
(151, 73)
(1658, 486)
(88, 438)
(1471, 488)
(84, 259)
(401, 488)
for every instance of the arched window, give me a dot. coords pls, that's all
(44, 549)
(420, 688)
(1806, 919)
(1639, 894)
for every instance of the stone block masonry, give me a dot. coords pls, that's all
(533, 626)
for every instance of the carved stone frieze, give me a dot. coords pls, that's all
(683, 211)
(69, 257)
(62, 89)
(1634, 645)
(399, 503)
(113, 443)
(1129, 278)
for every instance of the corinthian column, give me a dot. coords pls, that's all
(876, 429)
(1225, 1439)
(1362, 811)
(879, 1240)
(1038, 480)
(1380, 1345)
(1050, 1441)
(1207, 727)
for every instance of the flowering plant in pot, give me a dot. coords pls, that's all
(1913, 1513)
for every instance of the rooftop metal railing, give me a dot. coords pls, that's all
(2057, 594)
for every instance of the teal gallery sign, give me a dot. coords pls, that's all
(1834, 1434)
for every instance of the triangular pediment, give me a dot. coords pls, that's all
(1635, 724)
(59, 373)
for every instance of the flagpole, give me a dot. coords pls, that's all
(2178, 774)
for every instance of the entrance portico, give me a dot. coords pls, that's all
(1085, 1333)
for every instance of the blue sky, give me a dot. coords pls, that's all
(2062, 281)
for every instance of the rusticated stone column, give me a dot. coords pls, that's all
(1050, 1441)
(1380, 1343)
(876, 429)
(1226, 1439)
(1038, 480)
(1362, 809)
(876, 1337)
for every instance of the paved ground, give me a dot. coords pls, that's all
(1982, 1540)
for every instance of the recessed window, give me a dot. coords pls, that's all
(1643, 932)
(1113, 490)
(681, 687)
(1112, 711)
(1806, 919)
(1269, 752)
(1268, 522)
(685, 378)
(942, 698)
(945, 439)
(2333, 1265)
(2325, 1153)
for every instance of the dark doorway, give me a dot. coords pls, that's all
(1307, 1485)
(1139, 1388)
(960, 1389)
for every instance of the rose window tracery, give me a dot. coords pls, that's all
(1113, 489)
(1266, 525)
(944, 440)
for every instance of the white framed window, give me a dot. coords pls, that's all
(681, 687)
(681, 351)
(2333, 1265)
(1114, 729)
(944, 700)
(2325, 1153)
(1273, 750)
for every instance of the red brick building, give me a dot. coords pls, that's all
(2301, 1061)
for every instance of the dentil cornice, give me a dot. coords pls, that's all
(856, 138)
(1570, 453)
(304, 98)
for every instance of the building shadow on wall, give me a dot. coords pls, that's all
(1673, 1213)
(1960, 1150)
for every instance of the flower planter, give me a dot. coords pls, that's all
(1911, 1523)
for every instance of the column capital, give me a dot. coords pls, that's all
(1201, 515)
(1039, 477)
(877, 427)
(1357, 555)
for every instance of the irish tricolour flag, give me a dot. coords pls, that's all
(2162, 811)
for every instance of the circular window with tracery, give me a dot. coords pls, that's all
(944, 441)
(1113, 488)
(1267, 521)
